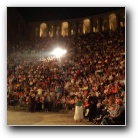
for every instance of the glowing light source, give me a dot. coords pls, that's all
(58, 52)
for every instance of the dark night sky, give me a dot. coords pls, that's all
(58, 13)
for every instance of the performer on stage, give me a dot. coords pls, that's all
(78, 116)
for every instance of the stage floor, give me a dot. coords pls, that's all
(26, 118)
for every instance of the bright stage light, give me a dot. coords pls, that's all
(58, 52)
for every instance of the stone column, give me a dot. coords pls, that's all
(69, 28)
(60, 34)
(91, 25)
(76, 32)
(107, 18)
(81, 27)
(94, 22)
(118, 20)
(47, 31)
(54, 30)
(99, 24)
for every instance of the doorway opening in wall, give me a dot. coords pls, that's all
(112, 22)
(86, 26)
(43, 28)
(64, 30)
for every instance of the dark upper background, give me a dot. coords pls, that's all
(31, 14)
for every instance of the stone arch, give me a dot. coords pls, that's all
(112, 21)
(43, 28)
(64, 29)
(86, 26)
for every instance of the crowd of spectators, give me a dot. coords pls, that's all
(93, 69)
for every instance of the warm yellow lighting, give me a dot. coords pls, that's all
(86, 26)
(64, 30)
(43, 27)
(112, 22)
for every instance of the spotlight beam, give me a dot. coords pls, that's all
(58, 52)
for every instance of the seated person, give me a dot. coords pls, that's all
(116, 114)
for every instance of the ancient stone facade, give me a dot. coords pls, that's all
(96, 23)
